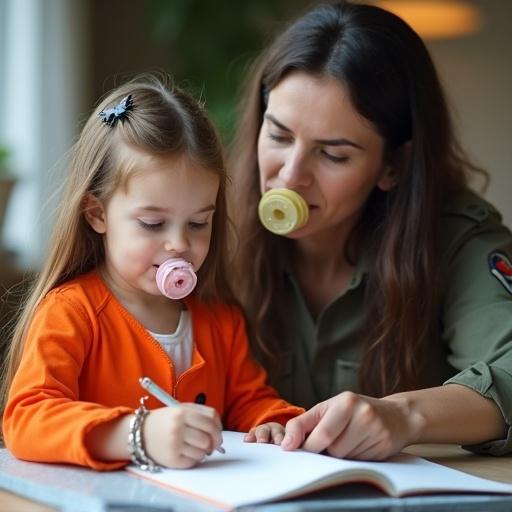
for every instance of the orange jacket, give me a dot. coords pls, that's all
(83, 357)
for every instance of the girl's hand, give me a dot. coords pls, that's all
(354, 427)
(181, 437)
(271, 432)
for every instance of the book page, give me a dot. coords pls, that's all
(250, 473)
(413, 475)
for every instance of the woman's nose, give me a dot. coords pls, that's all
(295, 171)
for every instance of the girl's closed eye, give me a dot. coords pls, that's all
(197, 226)
(150, 224)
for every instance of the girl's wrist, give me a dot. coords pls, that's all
(107, 441)
(136, 443)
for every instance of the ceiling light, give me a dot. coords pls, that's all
(436, 19)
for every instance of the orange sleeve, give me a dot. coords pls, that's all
(44, 419)
(249, 400)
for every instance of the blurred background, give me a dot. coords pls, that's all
(57, 57)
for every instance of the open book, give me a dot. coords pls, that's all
(254, 473)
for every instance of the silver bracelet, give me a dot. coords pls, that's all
(136, 443)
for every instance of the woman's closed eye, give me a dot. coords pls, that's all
(286, 139)
(280, 139)
(335, 158)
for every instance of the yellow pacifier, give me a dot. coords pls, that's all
(282, 211)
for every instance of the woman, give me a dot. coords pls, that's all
(391, 309)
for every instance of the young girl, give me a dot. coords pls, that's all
(147, 183)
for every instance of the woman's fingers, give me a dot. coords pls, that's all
(363, 428)
(348, 425)
(368, 445)
(299, 427)
(374, 445)
(332, 417)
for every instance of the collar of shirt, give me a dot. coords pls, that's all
(361, 270)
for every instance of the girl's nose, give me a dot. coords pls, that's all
(177, 243)
(295, 171)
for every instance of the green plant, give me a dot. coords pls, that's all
(5, 153)
(212, 43)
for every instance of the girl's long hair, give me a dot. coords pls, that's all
(164, 120)
(393, 83)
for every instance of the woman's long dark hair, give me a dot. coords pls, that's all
(393, 83)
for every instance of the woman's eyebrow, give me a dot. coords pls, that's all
(273, 120)
(326, 142)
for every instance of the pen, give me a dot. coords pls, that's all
(158, 392)
(163, 396)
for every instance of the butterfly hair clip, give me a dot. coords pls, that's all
(111, 115)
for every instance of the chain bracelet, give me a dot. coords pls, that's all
(136, 443)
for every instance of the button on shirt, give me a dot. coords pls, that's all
(322, 355)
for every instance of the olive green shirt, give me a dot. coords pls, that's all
(475, 347)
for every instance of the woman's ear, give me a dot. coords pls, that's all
(94, 213)
(388, 179)
(393, 167)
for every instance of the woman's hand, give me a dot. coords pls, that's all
(181, 437)
(271, 432)
(355, 427)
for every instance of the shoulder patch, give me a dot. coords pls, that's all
(501, 268)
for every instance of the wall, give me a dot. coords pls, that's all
(477, 74)
(43, 76)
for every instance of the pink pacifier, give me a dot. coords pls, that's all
(176, 278)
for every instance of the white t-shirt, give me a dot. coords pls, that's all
(178, 345)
